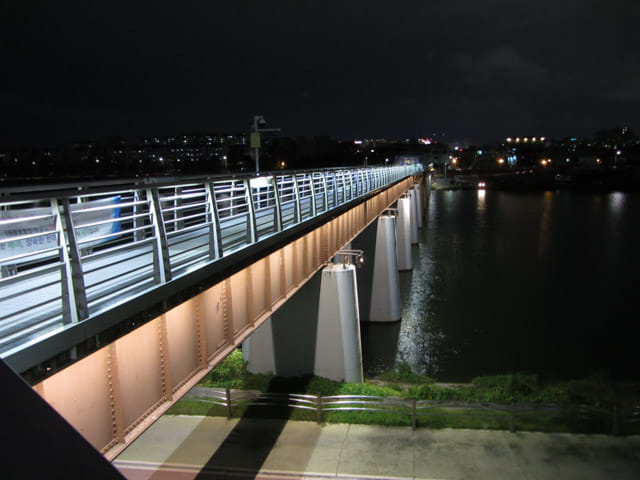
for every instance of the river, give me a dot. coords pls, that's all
(536, 282)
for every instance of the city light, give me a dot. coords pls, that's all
(501, 161)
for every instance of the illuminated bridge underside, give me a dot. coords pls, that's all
(117, 391)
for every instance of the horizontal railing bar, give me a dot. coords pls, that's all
(32, 306)
(22, 276)
(115, 234)
(185, 219)
(9, 221)
(35, 256)
(115, 249)
(29, 235)
(128, 273)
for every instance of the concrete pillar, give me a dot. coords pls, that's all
(385, 296)
(285, 343)
(262, 358)
(414, 216)
(403, 234)
(315, 332)
(428, 180)
(419, 203)
(338, 348)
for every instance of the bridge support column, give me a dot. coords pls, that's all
(403, 233)
(262, 357)
(385, 290)
(413, 195)
(338, 348)
(316, 332)
(419, 199)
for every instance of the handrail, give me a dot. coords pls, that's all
(109, 236)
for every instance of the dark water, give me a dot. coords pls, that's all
(544, 282)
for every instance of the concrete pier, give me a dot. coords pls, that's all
(413, 196)
(316, 332)
(419, 203)
(403, 233)
(338, 347)
(385, 289)
(285, 343)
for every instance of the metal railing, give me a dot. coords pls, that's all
(65, 257)
(586, 418)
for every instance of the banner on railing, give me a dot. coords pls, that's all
(24, 231)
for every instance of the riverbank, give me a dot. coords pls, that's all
(592, 405)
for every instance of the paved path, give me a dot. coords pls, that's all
(184, 447)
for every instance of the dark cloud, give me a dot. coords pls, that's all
(472, 69)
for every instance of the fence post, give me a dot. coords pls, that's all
(228, 394)
(512, 419)
(413, 414)
(615, 421)
(319, 409)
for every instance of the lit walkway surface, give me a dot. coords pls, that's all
(186, 447)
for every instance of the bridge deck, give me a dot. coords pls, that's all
(67, 258)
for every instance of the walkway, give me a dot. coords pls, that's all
(183, 447)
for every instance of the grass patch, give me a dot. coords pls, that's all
(595, 391)
(474, 419)
(402, 373)
(232, 373)
(194, 406)
(367, 418)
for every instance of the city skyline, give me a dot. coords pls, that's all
(464, 71)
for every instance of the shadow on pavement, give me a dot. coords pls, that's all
(248, 445)
(243, 452)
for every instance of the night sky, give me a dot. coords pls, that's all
(472, 70)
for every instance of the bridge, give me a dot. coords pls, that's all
(116, 297)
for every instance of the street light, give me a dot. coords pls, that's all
(258, 126)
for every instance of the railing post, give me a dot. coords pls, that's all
(227, 392)
(215, 234)
(162, 265)
(276, 199)
(296, 188)
(253, 229)
(413, 414)
(324, 190)
(512, 418)
(74, 293)
(319, 409)
(313, 195)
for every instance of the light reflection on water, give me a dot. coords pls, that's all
(535, 282)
